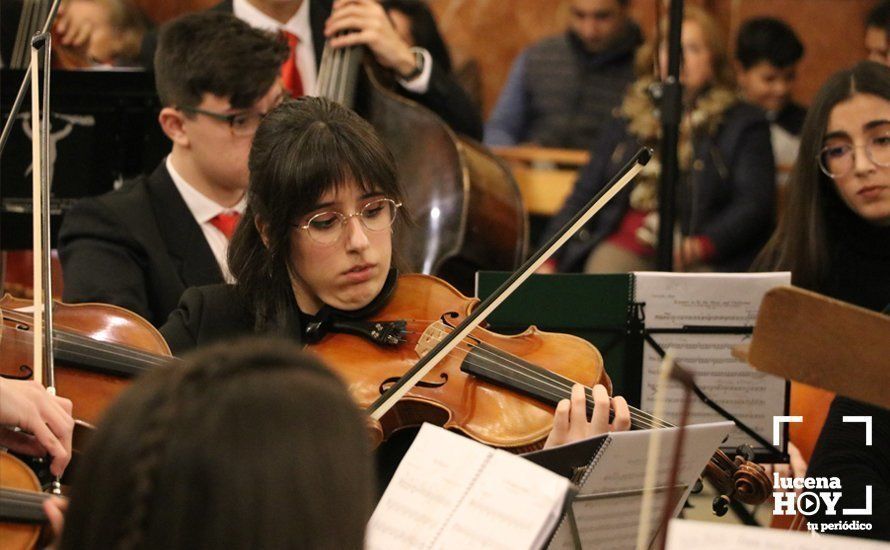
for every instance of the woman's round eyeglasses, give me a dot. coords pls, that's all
(327, 227)
(836, 161)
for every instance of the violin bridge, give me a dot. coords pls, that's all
(430, 337)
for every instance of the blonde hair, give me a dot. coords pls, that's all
(130, 25)
(713, 33)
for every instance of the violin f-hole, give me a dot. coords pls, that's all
(26, 374)
(422, 384)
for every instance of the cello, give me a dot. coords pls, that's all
(468, 213)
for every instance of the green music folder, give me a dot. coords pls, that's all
(599, 308)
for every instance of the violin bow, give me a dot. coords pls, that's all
(43, 311)
(426, 363)
(44, 371)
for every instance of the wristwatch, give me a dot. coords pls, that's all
(419, 62)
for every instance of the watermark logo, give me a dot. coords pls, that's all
(808, 496)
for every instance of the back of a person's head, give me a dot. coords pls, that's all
(770, 40)
(253, 444)
(879, 16)
(215, 53)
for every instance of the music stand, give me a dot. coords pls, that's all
(104, 129)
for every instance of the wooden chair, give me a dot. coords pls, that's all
(545, 176)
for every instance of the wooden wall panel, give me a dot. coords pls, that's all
(832, 32)
(493, 32)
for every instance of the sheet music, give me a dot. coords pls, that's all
(452, 492)
(611, 523)
(511, 505)
(612, 493)
(433, 476)
(674, 300)
(683, 534)
(678, 300)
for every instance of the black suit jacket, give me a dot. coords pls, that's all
(138, 247)
(444, 96)
(206, 315)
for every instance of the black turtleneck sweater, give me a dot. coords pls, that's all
(860, 274)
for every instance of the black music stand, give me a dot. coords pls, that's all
(104, 129)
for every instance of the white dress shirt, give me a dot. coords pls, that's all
(298, 25)
(203, 210)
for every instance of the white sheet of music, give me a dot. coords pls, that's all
(677, 300)
(612, 496)
(452, 492)
(684, 534)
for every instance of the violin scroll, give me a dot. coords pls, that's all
(739, 479)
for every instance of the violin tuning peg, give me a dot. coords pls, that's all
(720, 505)
(697, 487)
(746, 451)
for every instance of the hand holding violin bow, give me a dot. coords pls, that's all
(44, 421)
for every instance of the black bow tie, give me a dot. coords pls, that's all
(329, 319)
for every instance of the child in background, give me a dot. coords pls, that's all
(767, 55)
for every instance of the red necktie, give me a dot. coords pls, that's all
(290, 75)
(226, 223)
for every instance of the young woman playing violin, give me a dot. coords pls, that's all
(316, 245)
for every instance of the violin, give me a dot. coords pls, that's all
(21, 504)
(499, 390)
(98, 348)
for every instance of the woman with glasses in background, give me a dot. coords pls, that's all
(834, 237)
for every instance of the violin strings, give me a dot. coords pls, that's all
(11, 496)
(128, 357)
(560, 386)
(642, 418)
(134, 358)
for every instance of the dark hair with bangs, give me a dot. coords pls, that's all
(803, 241)
(215, 53)
(249, 444)
(301, 150)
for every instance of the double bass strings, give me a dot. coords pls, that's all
(334, 78)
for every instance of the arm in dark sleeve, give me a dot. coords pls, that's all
(841, 452)
(591, 179)
(750, 213)
(101, 261)
(508, 120)
(184, 323)
(445, 97)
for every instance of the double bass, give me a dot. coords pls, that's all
(466, 207)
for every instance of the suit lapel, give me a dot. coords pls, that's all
(180, 232)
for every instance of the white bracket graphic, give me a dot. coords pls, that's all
(777, 424)
(865, 420)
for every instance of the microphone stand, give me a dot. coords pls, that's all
(671, 108)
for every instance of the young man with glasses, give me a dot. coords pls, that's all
(141, 246)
